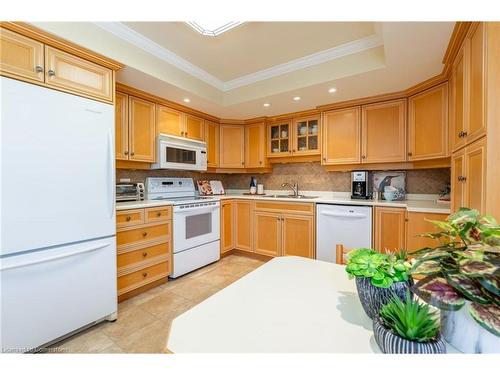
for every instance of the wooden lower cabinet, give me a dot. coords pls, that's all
(389, 233)
(143, 238)
(243, 225)
(226, 226)
(298, 235)
(267, 233)
(416, 224)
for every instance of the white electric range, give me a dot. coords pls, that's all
(196, 222)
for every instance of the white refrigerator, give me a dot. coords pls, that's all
(57, 214)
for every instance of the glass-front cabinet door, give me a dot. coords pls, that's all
(279, 139)
(306, 136)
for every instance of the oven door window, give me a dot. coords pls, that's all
(198, 225)
(179, 155)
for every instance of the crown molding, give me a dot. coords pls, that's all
(129, 35)
(317, 58)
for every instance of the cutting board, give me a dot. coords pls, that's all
(217, 187)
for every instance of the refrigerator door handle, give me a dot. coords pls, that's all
(337, 214)
(45, 260)
(110, 166)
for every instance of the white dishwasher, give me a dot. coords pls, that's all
(350, 226)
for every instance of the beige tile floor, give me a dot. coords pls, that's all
(143, 321)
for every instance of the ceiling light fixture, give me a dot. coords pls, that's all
(186, 100)
(267, 105)
(213, 28)
(296, 98)
(332, 90)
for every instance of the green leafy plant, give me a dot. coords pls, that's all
(382, 268)
(464, 269)
(410, 319)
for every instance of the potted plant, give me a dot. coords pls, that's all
(408, 327)
(462, 278)
(378, 276)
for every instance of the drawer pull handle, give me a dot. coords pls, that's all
(144, 254)
(128, 218)
(38, 69)
(158, 214)
(145, 274)
(144, 234)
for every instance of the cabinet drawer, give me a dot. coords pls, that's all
(140, 255)
(158, 214)
(142, 277)
(68, 72)
(142, 234)
(129, 218)
(304, 208)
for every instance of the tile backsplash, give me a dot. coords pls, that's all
(310, 176)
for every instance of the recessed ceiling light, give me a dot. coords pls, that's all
(186, 100)
(214, 28)
(267, 105)
(296, 98)
(332, 90)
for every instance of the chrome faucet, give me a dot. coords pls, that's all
(294, 187)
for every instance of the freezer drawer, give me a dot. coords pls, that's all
(48, 294)
(350, 226)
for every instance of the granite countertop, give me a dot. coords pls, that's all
(414, 203)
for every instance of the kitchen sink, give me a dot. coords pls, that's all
(292, 196)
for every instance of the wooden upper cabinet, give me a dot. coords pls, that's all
(169, 121)
(255, 145)
(194, 128)
(306, 136)
(417, 224)
(243, 232)
(267, 233)
(341, 133)
(476, 124)
(390, 234)
(383, 129)
(212, 139)
(458, 90)
(279, 138)
(475, 176)
(428, 124)
(227, 229)
(232, 146)
(20, 56)
(71, 73)
(298, 235)
(142, 130)
(457, 180)
(121, 126)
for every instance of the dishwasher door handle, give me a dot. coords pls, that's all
(342, 214)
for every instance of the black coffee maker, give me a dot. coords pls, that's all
(360, 185)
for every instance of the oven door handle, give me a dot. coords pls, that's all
(199, 210)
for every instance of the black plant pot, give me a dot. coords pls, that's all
(373, 298)
(390, 343)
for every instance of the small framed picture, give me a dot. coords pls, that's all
(395, 180)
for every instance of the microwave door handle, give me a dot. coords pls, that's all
(344, 215)
(200, 210)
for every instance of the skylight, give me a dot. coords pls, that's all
(213, 28)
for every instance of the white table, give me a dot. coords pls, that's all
(289, 304)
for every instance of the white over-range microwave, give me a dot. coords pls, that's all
(180, 153)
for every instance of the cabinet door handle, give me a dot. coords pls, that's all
(51, 73)
(38, 69)
(125, 153)
(462, 178)
(242, 163)
(324, 159)
(158, 214)
(464, 134)
(363, 157)
(260, 162)
(132, 153)
(144, 274)
(144, 254)
(410, 154)
(186, 133)
(144, 234)
(128, 218)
